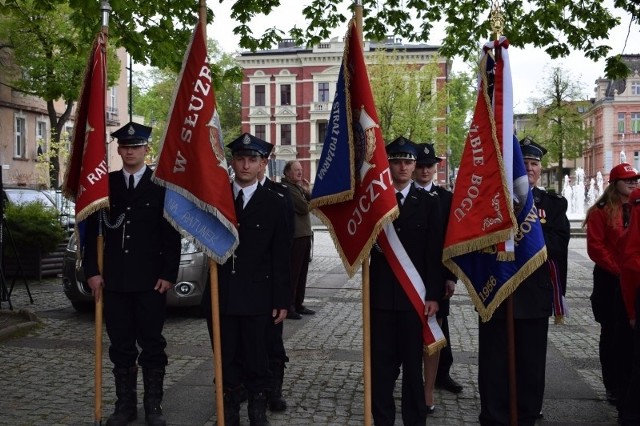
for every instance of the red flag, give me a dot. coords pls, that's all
(191, 163)
(87, 176)
(353, 191)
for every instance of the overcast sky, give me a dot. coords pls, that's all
(528, 65)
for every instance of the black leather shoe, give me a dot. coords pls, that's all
(293, 315)
(305, 311)
(447, 383)
(431, 409)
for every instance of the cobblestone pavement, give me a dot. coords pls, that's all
(46, 374)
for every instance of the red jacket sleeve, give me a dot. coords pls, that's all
(602, 241)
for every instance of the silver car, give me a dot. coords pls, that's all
(192, 277)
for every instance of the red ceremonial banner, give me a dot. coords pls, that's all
(192, 160)
(356, 222)
(87, 176)
(476, 225)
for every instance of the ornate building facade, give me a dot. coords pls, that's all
(287, 93)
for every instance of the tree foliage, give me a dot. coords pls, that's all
(48, 59)
(406, 97)
(461, 95)
(558, 124)
(153, 94)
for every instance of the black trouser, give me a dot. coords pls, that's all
(245, 357)
(275, 343)
(446, 356)
(530, 354)
(602, 304)
(136, 317)
(629, 407)
(396, 340)
(300, 253)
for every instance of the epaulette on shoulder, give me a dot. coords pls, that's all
(555, 194)
(273, 191)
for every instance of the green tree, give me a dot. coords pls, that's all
(461, 97)
(48, 61)
(558, 125)
(153, 94)
(407, 101)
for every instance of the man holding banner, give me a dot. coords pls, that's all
(532, 307)
(141, 257)
(254, 284)
(396, 327)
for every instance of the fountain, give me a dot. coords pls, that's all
(579, 198)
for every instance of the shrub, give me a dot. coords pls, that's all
(32, 226)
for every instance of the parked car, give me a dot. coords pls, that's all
(192, 277)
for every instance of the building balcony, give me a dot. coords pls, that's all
(625, 138)
(321, 108)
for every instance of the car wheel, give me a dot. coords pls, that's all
(83, 306)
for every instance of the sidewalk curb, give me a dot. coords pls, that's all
(18, 321)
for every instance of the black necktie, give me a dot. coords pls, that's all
(239, 201)
(399, 197)
(131, 184)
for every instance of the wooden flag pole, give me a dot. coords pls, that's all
(98, 331)
(366, 341)
(105, 8)
(215, 304)
(366, 305)
(217, 345)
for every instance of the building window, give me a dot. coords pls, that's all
(285, 94)
(41, 137)
(19, 147)
(322, 134)
(621, 122)
(285, 134)
(635, 88)
(635, 122)
(261, 131)
(323, 92)
(260, 95)
(113, 100)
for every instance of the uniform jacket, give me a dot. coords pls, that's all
(533, 297)
(420, 230)
(300, 199)
(603, 239)
(255, 279)
(630, 267)
(140, 246)
(552, 210)
(283, 189)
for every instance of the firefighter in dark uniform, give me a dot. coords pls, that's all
(437, 366)
(254, 284)
(141, 258)
(275, 344)
(532, 307)
(396, 328)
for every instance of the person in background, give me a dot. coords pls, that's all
(301, 248)
(275, 344)
(396, 328)
(629, 408)
(254, 285)
(437, 367)
(141, 259)
(532, 307)
(605, 222)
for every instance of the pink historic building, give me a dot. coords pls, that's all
(287, 94)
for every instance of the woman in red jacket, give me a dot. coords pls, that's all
(630, 286)
(606, 222)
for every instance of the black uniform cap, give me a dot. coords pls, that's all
(530, 149)
(247, 144)
(401, 149)
(132, 134)
(427, 155)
